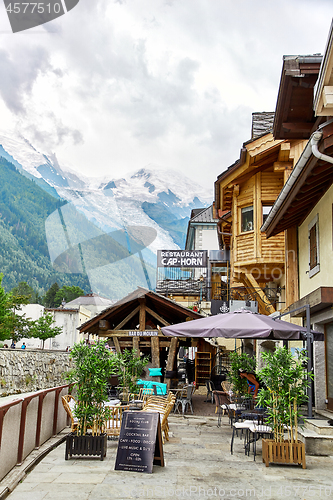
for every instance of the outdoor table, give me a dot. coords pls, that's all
(113, 402)
(257, 431)
(256, 414)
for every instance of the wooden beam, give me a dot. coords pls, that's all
(128, 317)
(117, 345)
(281, 166)
(171, 359)
(157, 316)
(142, 314)
(260, 294)
(155, 354)
(284, 152)
(136, 346)
(126, 333)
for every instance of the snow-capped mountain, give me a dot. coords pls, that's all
(149, 198)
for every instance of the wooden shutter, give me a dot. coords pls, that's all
(313, 246)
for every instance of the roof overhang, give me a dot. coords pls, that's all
(294, 115)
(318, 300)
(308, 182)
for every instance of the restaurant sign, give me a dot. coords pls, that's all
(144, 333)
(181, 258)
(140, 442)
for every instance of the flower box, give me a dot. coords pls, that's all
(86, 445)
(283, 452)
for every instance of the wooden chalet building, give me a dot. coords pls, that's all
(134, 322)
(304, 212)
(246, 191)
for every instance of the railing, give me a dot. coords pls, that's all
(188, 286)
(247, 294)
(27, 422)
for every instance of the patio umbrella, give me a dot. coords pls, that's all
(241, 324)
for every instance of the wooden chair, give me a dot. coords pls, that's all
(69, 403)
(160, 402)
(113, 424)
(142, 396)
(165, 423)
(164, 412)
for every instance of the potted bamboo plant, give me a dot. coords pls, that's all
(130, 368)
(93, 365)
(286, 383)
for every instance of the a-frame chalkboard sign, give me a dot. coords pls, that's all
(140, 442)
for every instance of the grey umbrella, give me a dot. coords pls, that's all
(239, 324)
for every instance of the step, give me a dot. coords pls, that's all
(320, 426)
(315, 443)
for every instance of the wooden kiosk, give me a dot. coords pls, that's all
(133, 323)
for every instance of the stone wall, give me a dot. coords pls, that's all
(31, 370)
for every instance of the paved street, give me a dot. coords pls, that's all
(198, 465)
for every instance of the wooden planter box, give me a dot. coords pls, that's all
(86, 445)
(283, 453)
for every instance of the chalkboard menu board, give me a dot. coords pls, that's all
(140, 442)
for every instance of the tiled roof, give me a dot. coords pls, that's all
(204, 216)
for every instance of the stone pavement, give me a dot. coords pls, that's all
(198, 465)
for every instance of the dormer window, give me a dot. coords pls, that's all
(247, 219)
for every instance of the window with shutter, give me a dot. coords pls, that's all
(313, 232)
(313, 246)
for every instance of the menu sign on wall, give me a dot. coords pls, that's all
(140, 442)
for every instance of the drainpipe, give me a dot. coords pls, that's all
(314, 146)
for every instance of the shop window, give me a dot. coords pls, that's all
(265, 211)
(313, 229)
(247, 219)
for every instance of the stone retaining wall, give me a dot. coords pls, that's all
(31, 370)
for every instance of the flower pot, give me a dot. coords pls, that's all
(86, 445)
(283, 453)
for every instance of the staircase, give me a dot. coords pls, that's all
(317, 434)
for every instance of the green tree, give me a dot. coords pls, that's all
(24, 290)
(12, 325)
(67, 293)
(42, 328)
(49, 298)
(4, 307)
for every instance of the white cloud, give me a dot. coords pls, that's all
(115, 85)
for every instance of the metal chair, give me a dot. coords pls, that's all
(184, 398)
(223, 403)
(210, 388)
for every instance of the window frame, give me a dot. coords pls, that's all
(270, 206)
(241, 219)
(314, 225)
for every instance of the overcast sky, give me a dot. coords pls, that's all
(116, 85)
